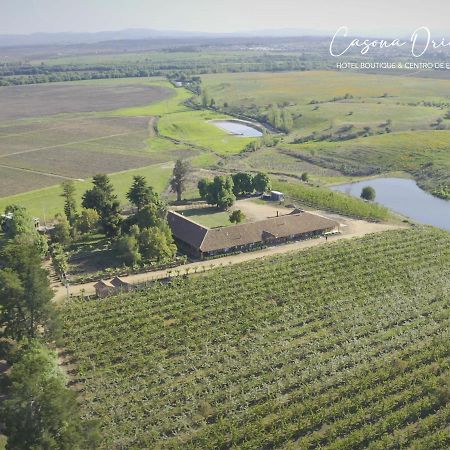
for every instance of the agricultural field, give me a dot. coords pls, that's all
(356, 124)
(342, 346)
(147, 123)
(19, 102)
(76, 130)
(63, 132)
(300, 88)
(323, 198)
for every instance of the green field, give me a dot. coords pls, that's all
(402, 120)
(341, 346)
(302, 87)
(423, 154)
(194, 127)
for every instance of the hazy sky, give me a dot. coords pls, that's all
(28, 16)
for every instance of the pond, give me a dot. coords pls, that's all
(405, 197)
(237, 128)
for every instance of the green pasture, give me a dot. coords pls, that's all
(264, 88)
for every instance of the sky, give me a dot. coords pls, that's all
(387, 16)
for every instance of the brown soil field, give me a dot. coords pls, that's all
(77, 162)
(55, 133)
(14, 181)
(19, 102)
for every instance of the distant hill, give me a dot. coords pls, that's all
(35, 39)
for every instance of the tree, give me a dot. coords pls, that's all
(243, 183)
(222, 192)
(140, 194)
(21, 229)
(36, 240)
(305, 177)
(127, 250)
(153, 215)
(225, 198)
(21, 223)
(286, 121)
(237, 216)
(157, 243)
(40, 412)
(179, 176)
(274, 117)
(87, 221)
(368, 193)
(261, 182)
(59, 259)
(205, 98)
(25, 294)
(61, 231)
(70, 204)
(203, 187)
(102, 199)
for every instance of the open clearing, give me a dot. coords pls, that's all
(342, 346)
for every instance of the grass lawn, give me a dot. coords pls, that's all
(48, 202)
(208, 217)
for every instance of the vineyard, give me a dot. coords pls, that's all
(343, 346)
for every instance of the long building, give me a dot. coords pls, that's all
(202, 242)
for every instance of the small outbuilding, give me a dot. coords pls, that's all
(105, 288)
(276, 196)
(120, 284)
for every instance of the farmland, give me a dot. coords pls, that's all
(345, 126)
(356, 124)
(322, 198)
(64, 131)
(76, 130)
(276, 353)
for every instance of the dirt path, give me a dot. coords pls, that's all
(350, 229)
(48, 174)
(66, 144)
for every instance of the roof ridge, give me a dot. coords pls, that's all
(189, 220)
